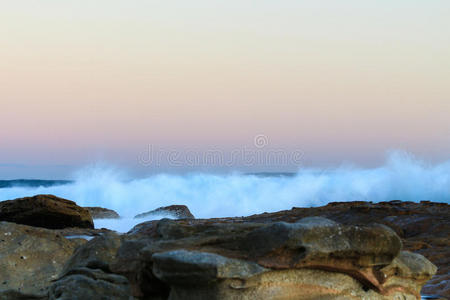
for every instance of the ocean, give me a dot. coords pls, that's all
(401, 177)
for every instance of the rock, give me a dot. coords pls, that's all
(98, 253)
(438, 284)
(102, 213)
(175, 211)
(130, 264)
(191, 267)
(46, 211)
(30, 257)
(304, 284)
(319, 242)
(410, 265)
(16, 295)
(408, 270)
(198, 259)
(86, 283)
(424, 228)
(333, 252)
(314, 258)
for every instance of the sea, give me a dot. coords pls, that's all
(208, 195)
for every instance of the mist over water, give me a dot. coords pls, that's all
(401, 177)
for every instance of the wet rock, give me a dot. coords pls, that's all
(86, 283)
(102, 213)
(46, 211)
(30, 257)
(175, 211)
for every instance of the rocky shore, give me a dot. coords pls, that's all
(350, 250)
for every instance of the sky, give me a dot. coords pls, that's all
(113, 81)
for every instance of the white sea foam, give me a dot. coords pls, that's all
(207, 195)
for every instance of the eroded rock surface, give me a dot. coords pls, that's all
(46, 211)
(353, 250)
(31, 257)
(86, 283)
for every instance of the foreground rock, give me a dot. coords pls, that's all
(46, 211)
(313, 258)
(175, 211)
(86, 283)
(424, 228)
(295, 254)
(30, 258)
(102, 213)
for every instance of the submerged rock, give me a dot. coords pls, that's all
(102, 213)
(46, 211)
(175, 211)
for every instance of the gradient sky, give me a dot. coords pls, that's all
(87, 81)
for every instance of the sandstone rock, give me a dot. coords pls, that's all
(46, 211)
(213, 247)
(294, 254)
(130, 264)
(424, 228)
(102, 213)
(302, 284)
(320, 243)
(410, 265)
(86, 283)
(16, 295)
(98, 253)
(175, 211)
(31, 257)
(191, 267)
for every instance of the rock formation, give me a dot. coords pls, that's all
(175, 211)
(102, 213)
(46, 211)
(354, 250)
(31, 257)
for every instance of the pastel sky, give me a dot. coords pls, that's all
(87, 81)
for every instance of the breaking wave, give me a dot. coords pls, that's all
(402, 177)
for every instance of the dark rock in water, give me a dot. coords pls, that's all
(30, 257)
(176, 211)
(102, 213)
(86, 283)
(46, 211)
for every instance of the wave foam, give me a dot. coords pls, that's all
(401, 177)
